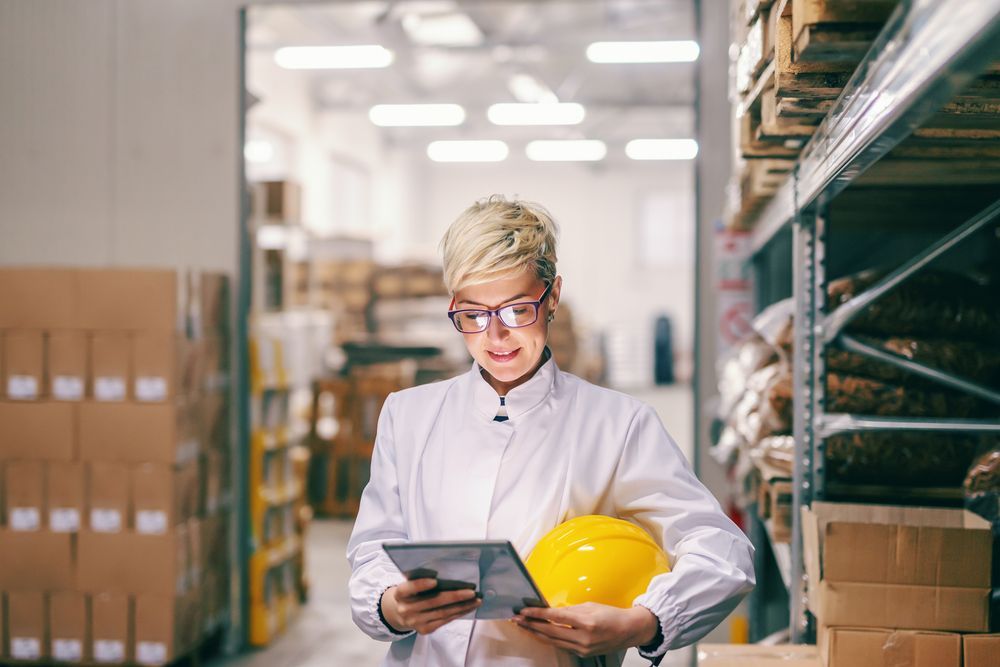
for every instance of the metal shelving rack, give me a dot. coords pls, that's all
(928, 51)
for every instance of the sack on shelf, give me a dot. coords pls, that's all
(984, 474)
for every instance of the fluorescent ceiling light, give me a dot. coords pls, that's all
(416, 115)
(567, 150)
(258, 151)
(662, 149)
(359, 56)
(451, 29)
(528, 89)
(561, 113)
(486, 150)
(643, 52)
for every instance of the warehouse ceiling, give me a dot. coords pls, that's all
(545, 40)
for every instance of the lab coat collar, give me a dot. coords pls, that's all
(520, 399)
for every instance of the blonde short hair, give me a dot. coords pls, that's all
(496, 238)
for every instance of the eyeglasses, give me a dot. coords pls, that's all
(514, 316)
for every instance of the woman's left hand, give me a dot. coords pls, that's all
(590, 629)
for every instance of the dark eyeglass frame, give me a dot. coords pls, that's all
(537, 304)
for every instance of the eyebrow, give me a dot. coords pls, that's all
(473, 303)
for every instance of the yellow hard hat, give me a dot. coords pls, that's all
(595, 559)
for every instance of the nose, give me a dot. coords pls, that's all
(496, 331)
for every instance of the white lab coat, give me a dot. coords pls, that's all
(444, 470)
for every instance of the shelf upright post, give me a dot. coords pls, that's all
(803, 384)
(817, 378)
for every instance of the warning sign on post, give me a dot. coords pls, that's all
(734, 293)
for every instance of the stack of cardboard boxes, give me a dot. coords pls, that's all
(899, 586)
(114, 440)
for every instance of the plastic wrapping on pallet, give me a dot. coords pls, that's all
(984, 474)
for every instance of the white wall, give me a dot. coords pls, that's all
(119, 133)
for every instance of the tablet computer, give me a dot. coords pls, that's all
(491, 568)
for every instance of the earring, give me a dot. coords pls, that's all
(551, 317)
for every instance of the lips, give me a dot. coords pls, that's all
(503, 357)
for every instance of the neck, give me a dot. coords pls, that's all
(503, 388)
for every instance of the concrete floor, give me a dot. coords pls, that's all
(324, 634)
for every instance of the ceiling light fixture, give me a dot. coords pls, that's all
(416, 115)
(566, 150)
(662, 149)
(359, 56)
(486, 150)
(682, 51)
(512, 113)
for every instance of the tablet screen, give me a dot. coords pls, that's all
(492, 568)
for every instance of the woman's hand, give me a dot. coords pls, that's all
(590, 629)
(409, 606)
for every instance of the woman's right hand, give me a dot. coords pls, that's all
(407, 606)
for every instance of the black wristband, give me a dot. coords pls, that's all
(381, 617)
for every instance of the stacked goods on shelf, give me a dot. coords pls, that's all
(276, 568)
(280, 270)
(899, 585)
(345, 420)
(344, 286)
(917, 323)
(793, 59)
(114, 451)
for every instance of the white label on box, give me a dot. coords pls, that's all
(22, 386)
(25, 518)
(151, 522)
(109, 388)
(67, 650)
(109, 650)
(151, 653)
(25, 648)
(64, 519)
(67, 387)
(105, 520)
(151, 388)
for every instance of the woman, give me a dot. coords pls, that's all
(515, 447)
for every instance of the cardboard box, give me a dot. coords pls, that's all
(980, 650)
(109, 628)
(66, 364)
(38, 298)
(164, 366)
(137, 433)
(68, 626)
(23, 365)
(753, 655)
(163, 496)
(874, 647)
(24, 495)
(132, 563)
(110, 366)
(65, 495)
(44, 431)
(276, 201)
(131, 300)
(898, 567)
(107, 497)
(165, 627)
(36, 561)
(26, 625)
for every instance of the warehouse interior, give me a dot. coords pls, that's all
(221, 256)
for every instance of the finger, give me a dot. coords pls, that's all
(564, 615)
(440, 600)
(460, 608)
(415, 587)
(553, 630)
(433, 623)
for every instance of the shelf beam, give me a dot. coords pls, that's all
(832, 424)
(928, 52)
